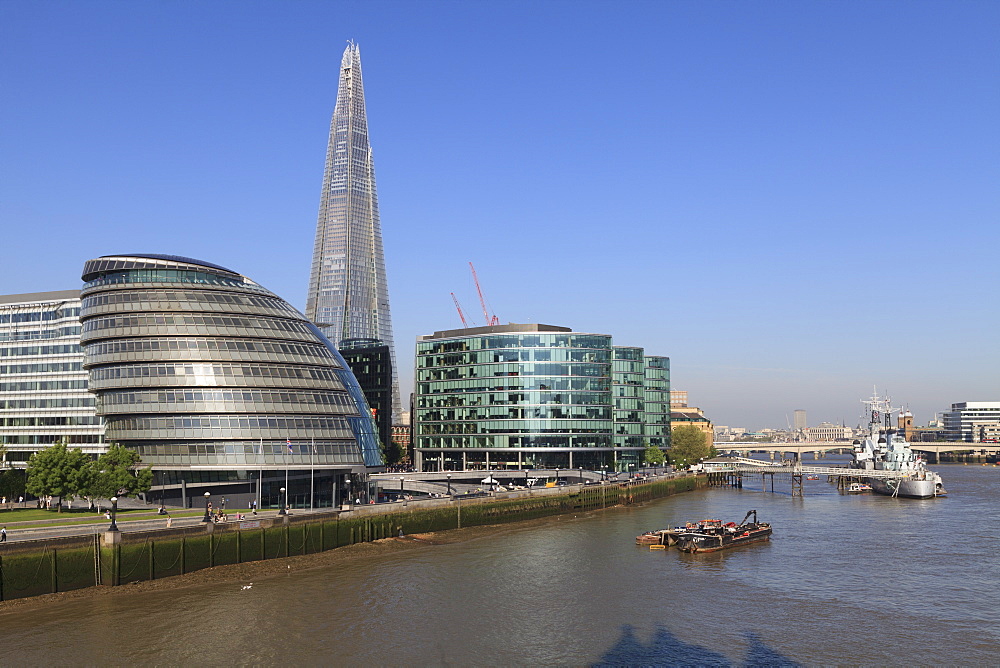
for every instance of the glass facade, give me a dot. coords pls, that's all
(43, 386)
(371, 363)
(195, 366)
(348, 295)
(528, 396)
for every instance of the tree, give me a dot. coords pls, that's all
(688, 445)
(654, 456)
(115, 473)
(12, 483)
(57, 471)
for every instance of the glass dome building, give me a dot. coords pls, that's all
(218, 383)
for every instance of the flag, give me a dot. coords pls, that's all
(288, 442)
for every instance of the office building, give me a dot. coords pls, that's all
(43, 386)
(348, 295)
(371, 362)
(800, 420)
(973, 422)
(534, 396)
(219, 384)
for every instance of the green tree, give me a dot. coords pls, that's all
(688, 445)
(12, 483)
(654, 456)
(115, 473)
(57, 471)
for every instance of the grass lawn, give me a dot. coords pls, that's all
(29, 517)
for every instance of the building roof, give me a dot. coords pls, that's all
(33, 297)
(509, 328)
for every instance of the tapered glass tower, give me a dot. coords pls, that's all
(348, 296)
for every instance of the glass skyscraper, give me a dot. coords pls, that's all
(348, 297)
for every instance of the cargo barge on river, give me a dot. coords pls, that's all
(724, 536)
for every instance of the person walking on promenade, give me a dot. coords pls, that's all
(253, 506)
(3, 535)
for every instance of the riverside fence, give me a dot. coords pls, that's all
(33, 568)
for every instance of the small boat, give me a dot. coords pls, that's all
(858, 488)
(723, 536)
(812, 477)
(670, 537)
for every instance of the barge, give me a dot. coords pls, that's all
(724, 536)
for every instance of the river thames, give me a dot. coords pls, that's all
(846, 579)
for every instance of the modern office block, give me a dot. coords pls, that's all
(348, 294)
(973, 422)
(657, 401)
(43, 386)
(211, 378)
(530, 396)
(371, 362)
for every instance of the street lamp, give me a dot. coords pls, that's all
(350, 497)
(114, 513)
(449, 484)
(581, 475)
(604, 472)
(282, 511)
(557, 477)
(401, 479)
(208, 517)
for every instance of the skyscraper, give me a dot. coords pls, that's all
(348, 296)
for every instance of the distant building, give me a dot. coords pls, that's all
(973, 422)
(535, 396)
(904, 424)
(827, 431)
(43, 385)
(800, 419)
(678, 398)
(691, 415)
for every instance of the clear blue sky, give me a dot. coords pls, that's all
(795, 201)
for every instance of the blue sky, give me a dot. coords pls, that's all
(795, 201)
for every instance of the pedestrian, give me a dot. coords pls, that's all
(170, 521)
(3, 535)
(253, 506)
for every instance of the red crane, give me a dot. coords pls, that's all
(460, 314)
(490, 319)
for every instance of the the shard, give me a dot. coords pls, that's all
(348, 297)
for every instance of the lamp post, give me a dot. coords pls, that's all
(604, 472)
(401, 479)
(282, 511)
(350, 497)
(208, 517)
(581, 475)
(449, 484)
(114, 513)
(557, 477)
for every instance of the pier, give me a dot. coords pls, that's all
(730, 471)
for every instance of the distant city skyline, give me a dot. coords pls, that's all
(793, 201)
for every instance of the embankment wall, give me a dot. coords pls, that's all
(33, 568)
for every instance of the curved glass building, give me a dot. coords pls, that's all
(213, 379)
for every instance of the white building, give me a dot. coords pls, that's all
(973, 422)
(43, 386)
(827, 431)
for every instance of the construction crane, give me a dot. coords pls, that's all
(460, 313)
(490, 319)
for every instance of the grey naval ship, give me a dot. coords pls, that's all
(884, 449)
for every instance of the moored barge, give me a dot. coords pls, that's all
(725, 536)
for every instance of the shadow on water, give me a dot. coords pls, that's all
(664, 649)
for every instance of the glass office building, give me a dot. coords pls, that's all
(371, 362)
(348, 294)
(657, 401)
(43, 385)
(528, 396)
(216, 381)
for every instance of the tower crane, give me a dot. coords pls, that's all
(460, 313)
(491, 319)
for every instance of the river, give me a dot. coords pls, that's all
(846, 579)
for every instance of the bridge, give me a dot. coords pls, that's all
(931, 447)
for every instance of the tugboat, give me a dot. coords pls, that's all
(724, 536)
(885, 450)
